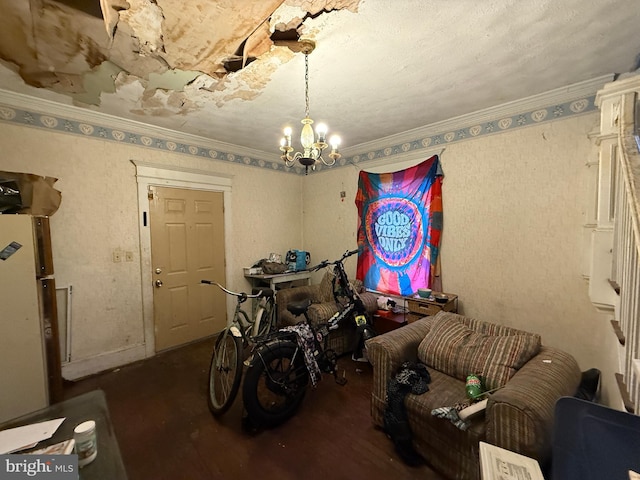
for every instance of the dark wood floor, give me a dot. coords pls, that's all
(165, 431)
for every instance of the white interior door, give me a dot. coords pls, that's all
(187, 245)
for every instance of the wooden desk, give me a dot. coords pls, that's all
(279, 278)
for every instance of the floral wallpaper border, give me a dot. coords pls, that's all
(537, 116)
(70, 126)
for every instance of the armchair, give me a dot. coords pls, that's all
(519, 416)
(323, 307)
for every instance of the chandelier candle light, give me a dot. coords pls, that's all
(312, 148)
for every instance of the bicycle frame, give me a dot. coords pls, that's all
(241, 330)
(282, 364)
(354, 308)
(241, 325)
(355, 305)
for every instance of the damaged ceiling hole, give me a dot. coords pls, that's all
(288, 38)
(137, 53)
(92, 8)
(237, 61)
(278, 37)
(290, 35)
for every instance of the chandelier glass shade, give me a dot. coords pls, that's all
(313, 143)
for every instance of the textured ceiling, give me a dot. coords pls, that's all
(228, 70)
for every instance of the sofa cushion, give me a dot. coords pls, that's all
(447, 448)
(458, 350)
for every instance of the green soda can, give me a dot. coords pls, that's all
(473, 386)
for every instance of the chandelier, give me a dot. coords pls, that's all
(312, 147)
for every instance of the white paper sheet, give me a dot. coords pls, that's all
(27, 436)
(499, 464)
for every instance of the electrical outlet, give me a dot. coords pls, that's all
(117, 256)
(128, 256)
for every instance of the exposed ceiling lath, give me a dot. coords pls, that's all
(71, 41)
(228, 69)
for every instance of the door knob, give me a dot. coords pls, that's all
(158, 283)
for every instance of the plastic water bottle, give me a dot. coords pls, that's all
(473, 386)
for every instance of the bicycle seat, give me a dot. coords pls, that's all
(266, 292)
(298, 308)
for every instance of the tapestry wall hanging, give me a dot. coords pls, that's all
(399, 227)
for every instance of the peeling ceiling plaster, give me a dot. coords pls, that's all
(229, 69)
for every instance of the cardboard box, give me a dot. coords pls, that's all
(38, 197)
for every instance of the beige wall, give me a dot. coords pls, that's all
(99, 213)
(514, 209)
(512, 246)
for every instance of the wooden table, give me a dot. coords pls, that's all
(276, 279)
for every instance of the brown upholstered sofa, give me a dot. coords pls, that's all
(518, 416)
(323, 307)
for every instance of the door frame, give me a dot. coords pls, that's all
(149, 175)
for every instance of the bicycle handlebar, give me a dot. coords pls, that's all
(237, 294)
(326, 263)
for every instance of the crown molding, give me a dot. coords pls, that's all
(576, 99)
(91, 117)
(561, 95)
(399, 160)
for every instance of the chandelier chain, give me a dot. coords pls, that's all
(306, 84)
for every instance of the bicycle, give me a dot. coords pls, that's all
(285, 360)
(225, 369)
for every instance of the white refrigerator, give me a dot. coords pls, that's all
(30, 369)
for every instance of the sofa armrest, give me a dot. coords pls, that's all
(520, 415)
(386, 353)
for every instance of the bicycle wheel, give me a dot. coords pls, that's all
(225, 372)
(275, 383)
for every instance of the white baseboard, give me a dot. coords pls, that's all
(77, 369)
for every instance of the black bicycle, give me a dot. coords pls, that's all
(287, 360)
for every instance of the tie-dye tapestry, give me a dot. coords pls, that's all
(399, 227)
